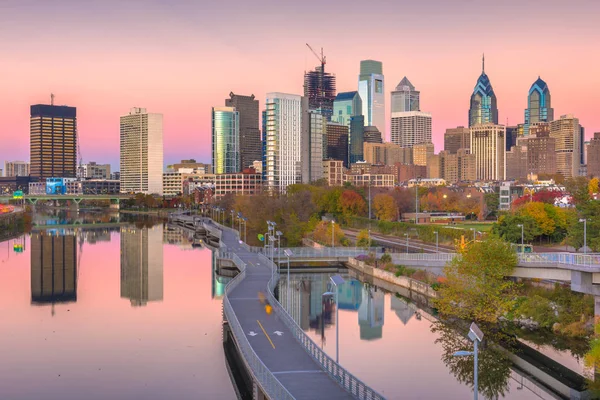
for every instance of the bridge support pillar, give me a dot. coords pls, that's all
(257, 393)
(582, 282)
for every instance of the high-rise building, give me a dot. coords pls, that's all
(593, 156)
(250, 144)
(345, 106)
(567, 133)
(53, 268)
(541, 149)
(53, 141)
(484, 109)
(92, 170)
(457, 138)
(141, 161)
(410, 128)
(16, 168)
(225, 140)
(405, 98)
(489, 148)
(337, 143)
(516, 160)
(283, 135)
(356, 138)
(372, 135)
(421, 152)
(434, 170)
(319, 89)
(539, 105)
(387, 154)
(142, 264)
(512, 134)
(466, 166)
(372, 93)
(312, 146)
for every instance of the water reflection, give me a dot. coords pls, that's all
(370, 313)
(142, 264)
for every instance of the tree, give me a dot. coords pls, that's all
(352, 204)
(578, 187)
(363, 239)
(593, 186)
(476, 286)
(492, 202)
(323, 234)
(385, 207)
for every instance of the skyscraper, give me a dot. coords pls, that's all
(372, 135)
(250, 143)
(337, 142)
(372, 93)
(457, 138)
(53, 141)
(345, 106)
(283, 138)
(410, 128)
(567, 133)
(593, 156)
(312, 146)
(539, 105)
(405, 97)
(356, 138)
(484, 109)
(319, 88)
(141, 161)
(225, 140)
(541, 149)
(489, 148)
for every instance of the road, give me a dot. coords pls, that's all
(414, 246)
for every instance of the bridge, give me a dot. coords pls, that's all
(114, 198)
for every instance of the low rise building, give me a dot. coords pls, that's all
(101, 186)
(333, 172)
(373, 180)
(427, 182)
(172, 184)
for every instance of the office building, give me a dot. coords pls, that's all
(593, 156)
(512, 135)
(225, 140)
(283, 140)
(337, 143)
(53, 268)
(434, 167)
(567, 134)
(421, 152)
(249, 133)
(53, 141)
(410, 171)
(541, 150)
(516, 161)
(457, 138)
(100, 186)
(141, 161)
(15, 168)
(319, 89)
(405, 98)
(466, 166)
(484, 109)
(333, 172)
(539, 105)
(372, 93)
(356, 138)
(386, 154)
(372, 135)
(313, 146)
(172, 184)
(92, 170)
(373, 180)
(410, 128)
(345, 106)
(489, 148)
(142, 264)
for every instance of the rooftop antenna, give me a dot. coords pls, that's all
(51, 99)
(483, 63)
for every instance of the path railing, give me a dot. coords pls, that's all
(338, 373)
(268, 383)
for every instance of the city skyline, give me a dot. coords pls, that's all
(168, 62)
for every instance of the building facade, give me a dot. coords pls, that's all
(92, 170)
(356, 138)
(141, 158)
(249, 133)
(421, 152)
(373, 180)
(516, 161)
(172, 184)
(313, 146)
(539, 105)
(372, 93)
(283, 140)
(387, 154)
(489, 148)
(567, 134)
(484, 108)
(410, 128)
(457, 138)
(405, 98)
(337, 142)
(319, 89)
(345, 106)
(372, 135)
(541, 150)
(333, 172)
(16, 168)
(53, 141)
(593, 156)
(225, 140)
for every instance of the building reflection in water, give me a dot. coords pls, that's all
(53, 267)
(218, 282)
(370, 313)
(402, 310)
(142, 264)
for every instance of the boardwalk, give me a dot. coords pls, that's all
(270, 338)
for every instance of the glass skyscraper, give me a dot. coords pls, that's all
(372, 93)
(346, 105)
(539, 105)
(225, 140)
(356, 139)
(405, 98)
(484, 109)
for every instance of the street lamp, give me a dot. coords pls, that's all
(522, 234)
(332, 233)
(474, 232)
(232, 213)
(278, 234)
(406, 234)
(476, 336)
(417, 180)
(437, 249)
(584, 220)
(336, 280)
(288, 253)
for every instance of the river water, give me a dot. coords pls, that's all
(133, 311)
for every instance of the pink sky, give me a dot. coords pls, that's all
(181, 58)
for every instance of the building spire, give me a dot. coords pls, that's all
(483, 64)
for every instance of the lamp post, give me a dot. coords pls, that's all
(416, 201)
(232, 219)
(522, 235)
(336, 280)
(584, 220)
(437, 249)
(369, 197)
(288, 253)
(474, 231)
(278, 234)
(406, 234)
(245, 237)
(332, 233)
(476, 336)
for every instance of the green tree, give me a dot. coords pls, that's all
(492, 202)
(385, 207)
(476, 286)
(578, 186)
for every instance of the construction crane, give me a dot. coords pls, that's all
(320, 84)
(321, 57)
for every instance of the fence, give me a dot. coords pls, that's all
(348, 381)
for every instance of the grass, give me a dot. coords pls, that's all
(480, 226)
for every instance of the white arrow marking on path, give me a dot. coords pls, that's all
(252, 333)
(278, 333)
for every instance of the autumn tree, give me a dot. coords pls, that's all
(352, 204)
(323, 234)
(363, 239)
(385, 207)
(593, 186)
(476, 286)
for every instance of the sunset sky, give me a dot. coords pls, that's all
(182, 57)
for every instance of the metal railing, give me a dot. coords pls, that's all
(268, 383)
(338, 373)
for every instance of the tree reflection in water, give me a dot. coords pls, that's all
(494, 365)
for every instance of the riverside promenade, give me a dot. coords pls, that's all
(284, 362)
